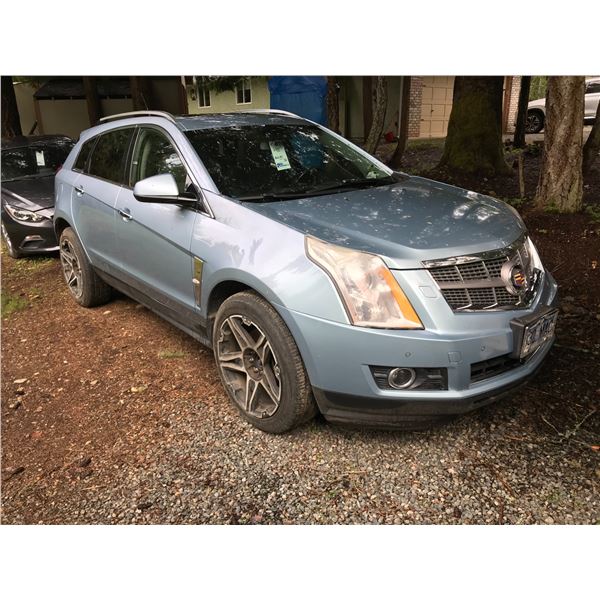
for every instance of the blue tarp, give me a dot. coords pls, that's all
(304, 96)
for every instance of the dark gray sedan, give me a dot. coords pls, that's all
(29, 165)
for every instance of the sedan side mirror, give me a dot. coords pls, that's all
(161, 189)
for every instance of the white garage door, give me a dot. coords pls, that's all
(436, 105)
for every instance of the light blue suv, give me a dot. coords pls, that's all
(322, 280)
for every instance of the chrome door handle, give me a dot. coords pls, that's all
(127, 216)
(79, 191)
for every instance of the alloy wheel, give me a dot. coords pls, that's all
(71, 268)
(249, 366)
(7, 239)
(533, 124)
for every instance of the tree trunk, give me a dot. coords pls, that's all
(93, 101)
(333, 104)
(396, 160)
(11, 121)
(379, 107)
(474, 140)
(140, 93)
(519, 139)
(592, 146)
(560, 186)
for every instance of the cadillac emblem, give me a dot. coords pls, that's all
(514, 278)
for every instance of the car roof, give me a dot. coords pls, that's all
(23, 141)
(239, 119)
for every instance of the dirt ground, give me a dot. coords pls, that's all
(111, 415)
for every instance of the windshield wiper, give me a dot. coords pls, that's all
(275, 197)
(348, 184)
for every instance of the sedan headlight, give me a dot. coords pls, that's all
(23, 215)
(369, 291)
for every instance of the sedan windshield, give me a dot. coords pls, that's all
(262, 162)
(37, 160)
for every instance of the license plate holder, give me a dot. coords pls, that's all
(531, 332)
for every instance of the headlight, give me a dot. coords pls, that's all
(20, 214)
(368, 289)
(536, 262)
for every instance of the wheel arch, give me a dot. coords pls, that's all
(60, 225)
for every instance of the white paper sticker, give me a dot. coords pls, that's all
(39, 158)
(279, 156)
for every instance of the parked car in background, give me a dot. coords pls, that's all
(536, 109)
(321, 278)
(29, 165)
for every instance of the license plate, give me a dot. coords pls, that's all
(534, 331)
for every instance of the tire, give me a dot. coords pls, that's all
(84, 284)
(12, 251)
(535, 121)
(264, 378)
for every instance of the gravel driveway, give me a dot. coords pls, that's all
(111, 415)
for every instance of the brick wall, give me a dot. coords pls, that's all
(513, 104)
(414, 111)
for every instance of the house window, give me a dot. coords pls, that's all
(243, 90)
(203, 94)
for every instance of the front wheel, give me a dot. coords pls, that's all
(535, 121)
(260, 365)
(12, 251)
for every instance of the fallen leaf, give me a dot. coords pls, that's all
(137, 390)
(18, 381)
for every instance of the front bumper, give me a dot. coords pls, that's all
(338, 357)
(30, 238)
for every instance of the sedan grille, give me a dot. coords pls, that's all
(482, 281)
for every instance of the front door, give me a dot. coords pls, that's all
(154, 239)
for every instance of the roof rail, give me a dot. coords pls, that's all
(139, 113)
(275, 111)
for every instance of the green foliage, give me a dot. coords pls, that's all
(219, 84)
(552, 209)
(11, 304)
(594, 212)
(514, 202)
(538, 87)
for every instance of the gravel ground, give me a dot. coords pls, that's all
(110, 415)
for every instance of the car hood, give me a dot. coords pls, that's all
(405, 223)
(33, 194)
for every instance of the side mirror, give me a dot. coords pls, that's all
(161, 189)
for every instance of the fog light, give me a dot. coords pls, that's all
(401, 378)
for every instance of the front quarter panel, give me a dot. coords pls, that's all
(243, 246)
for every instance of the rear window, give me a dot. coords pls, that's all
(84, 154)
(109, 155)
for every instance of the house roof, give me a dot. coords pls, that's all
(71, 88)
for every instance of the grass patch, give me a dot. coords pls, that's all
(11, 304)
(166, 354)
(593, 212)
(426, 143)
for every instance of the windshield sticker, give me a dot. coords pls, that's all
(39, 158)
(279, 156)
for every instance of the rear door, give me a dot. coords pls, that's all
(95, 195)
(154, 239)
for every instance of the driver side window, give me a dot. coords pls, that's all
(155, 155)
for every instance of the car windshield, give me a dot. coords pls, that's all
(36, 160)
(254, 162)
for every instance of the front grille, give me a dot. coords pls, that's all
(475, 282)
(492, 367)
